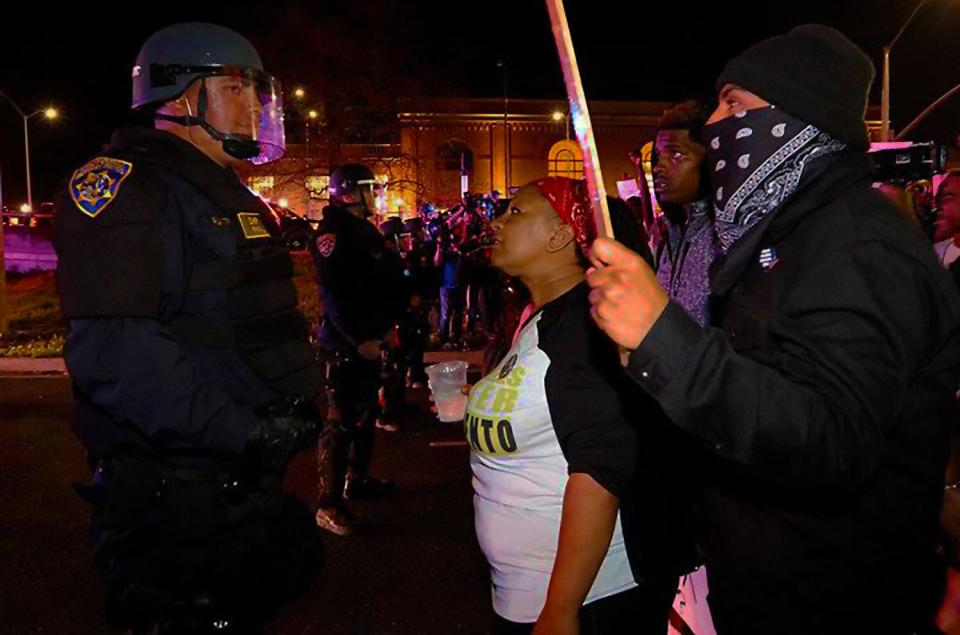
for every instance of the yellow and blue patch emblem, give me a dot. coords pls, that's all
(95, 185)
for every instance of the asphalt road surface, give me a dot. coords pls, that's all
(415, 567)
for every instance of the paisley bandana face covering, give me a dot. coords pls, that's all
(756, 160)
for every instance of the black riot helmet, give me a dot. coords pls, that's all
(354, 178)
(175, 57)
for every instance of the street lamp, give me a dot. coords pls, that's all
(48, 113)
(299, 93)
(502, 65)
(885, 88)
(312, 115)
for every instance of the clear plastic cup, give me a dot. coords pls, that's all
(447, 380)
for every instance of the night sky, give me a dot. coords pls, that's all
(80, 59)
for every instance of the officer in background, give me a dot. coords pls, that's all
(192, 373)
(362, 295)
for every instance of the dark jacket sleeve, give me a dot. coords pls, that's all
(133, 369)
(334, 269)
(112, 264)
(844, 344)
(587, 398)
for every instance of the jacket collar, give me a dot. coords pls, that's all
(847, 168)
(173, 153)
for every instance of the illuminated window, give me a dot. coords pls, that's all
(317, 186)
(261, 185)
(565, 159)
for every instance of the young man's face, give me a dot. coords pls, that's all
(948, 201)
(676, 176)
(733, 100)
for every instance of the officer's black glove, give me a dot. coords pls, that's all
(276, 439)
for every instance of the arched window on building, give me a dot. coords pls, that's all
(451, 153)
(565, 159)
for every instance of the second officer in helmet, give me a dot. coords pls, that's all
(362, 295)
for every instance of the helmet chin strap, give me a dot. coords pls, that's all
(361, 205)
(236, 146)
(366, 209)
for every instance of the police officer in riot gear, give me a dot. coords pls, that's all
(192, 373)
(361, 290)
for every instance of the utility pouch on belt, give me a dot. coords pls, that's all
(134, 485)
(194, 507)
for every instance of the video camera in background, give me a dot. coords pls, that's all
(902, 162)
(905, 171)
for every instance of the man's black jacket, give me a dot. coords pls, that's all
(825, 390)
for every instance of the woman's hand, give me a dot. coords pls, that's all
(557, 623)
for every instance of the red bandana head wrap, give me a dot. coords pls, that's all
(570, 200)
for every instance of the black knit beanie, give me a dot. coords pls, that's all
(815, 74)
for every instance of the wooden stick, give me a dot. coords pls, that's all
(581, 117)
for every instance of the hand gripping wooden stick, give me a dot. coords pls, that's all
(581, 117)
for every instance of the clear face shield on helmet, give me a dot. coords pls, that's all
(373, 195)
(243, 109)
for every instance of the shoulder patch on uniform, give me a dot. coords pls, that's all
(95, 185)
(326, 244)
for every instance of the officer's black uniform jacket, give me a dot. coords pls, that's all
(362, 288)
(825, 389)
(183, 315)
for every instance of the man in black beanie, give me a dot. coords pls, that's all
(824, 384)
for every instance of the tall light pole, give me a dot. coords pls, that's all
(4, 307)
(502, 65)
(565, 117)
(885, 88)
(49, 113)
(311, 116)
